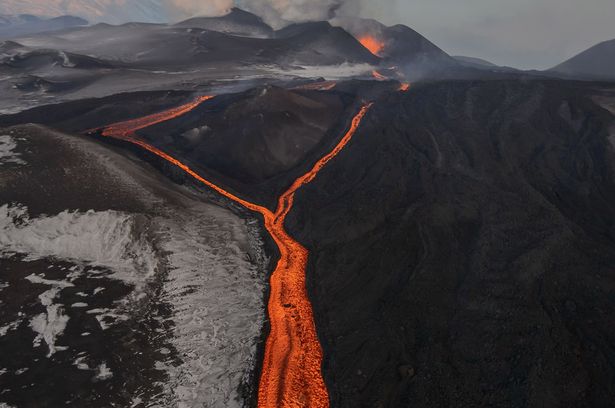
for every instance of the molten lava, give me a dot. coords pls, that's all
(374, 45)
(404, 87)
(378, 76)
(123, 129)
(291, 374)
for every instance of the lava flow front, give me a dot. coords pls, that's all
(291, 374)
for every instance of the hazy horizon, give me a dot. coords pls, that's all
(525, 34)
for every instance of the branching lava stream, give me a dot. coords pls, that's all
(291, 374)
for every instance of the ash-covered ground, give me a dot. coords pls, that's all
(117, 287)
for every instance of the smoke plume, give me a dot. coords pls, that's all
(200, 7)
(282, 12)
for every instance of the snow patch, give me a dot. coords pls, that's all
(81, 363)
(51, 324)
(66, 62)
(110, 239)
(104, 373)
(7, 151)
(9, 327)
(329, 72)
(217, 296)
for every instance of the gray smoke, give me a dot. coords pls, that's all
(282, 12)
(188, 8)
(275, 12)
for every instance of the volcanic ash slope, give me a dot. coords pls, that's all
(120, 288)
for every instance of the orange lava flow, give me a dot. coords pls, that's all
(374, 45)
(378, 76)
(292, 374)
(404, 87)
(129, 127)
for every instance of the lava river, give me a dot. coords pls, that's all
(291, 372)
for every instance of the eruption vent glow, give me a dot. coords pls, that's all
(374, 45)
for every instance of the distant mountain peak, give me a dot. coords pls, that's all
(109, 11)
(12, 26)
(595, 62)
(236, 22)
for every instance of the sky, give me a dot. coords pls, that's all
(528, 34)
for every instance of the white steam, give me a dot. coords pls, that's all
(281, 12)
(275, 12)
(210, 8)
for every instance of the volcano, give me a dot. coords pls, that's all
(237, 22)
(398, 45)
(330, 214)
(322, 44)
(597, 62)
(24, 24)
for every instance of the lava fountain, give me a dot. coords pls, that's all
(291, 376)
(374, 45)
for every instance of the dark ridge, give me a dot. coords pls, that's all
(598, 62)
(237, 22)
(25, 24)
(474, 61)
(320, 43)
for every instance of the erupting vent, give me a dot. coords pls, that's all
(374, 45)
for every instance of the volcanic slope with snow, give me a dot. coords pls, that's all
(119, 288)
(110, 11)
(222, 53)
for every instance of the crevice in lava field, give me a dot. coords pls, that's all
(291, 372)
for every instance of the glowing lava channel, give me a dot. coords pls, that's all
(292, 366)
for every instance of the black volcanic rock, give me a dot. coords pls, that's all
(462, 249)
(250, 141)
(7, 47)
(597, 62)
(15, 26)
(237, 22)
(406, 45)
(39, 59)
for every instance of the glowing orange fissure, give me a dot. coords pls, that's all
(291, 374)
(374, 45)
(378, 76)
